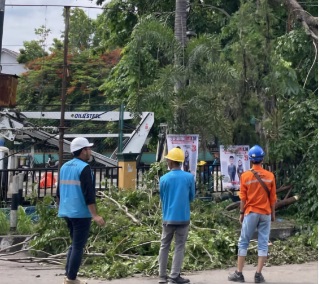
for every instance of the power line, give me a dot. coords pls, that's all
(50, 5)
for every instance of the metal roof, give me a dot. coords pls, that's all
(10, 52)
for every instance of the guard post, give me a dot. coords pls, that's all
(127, 170)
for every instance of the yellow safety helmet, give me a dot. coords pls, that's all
(176, 154)
(201, 163)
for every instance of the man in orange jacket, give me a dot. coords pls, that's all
(257, 210)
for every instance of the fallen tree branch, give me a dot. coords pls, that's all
(210, 256)
(127, 256)
(286, 196)
(285, 202)
(233, 206)
(309, 22)
(23, 250)
(93, 254)
(230, 217)
(19, 244)
(32, 259)
(236, 204)
(53, 259)
(283, 188)
(121, 207)
(210, 229)
(142, 244)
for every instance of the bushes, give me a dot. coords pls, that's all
(25, 224)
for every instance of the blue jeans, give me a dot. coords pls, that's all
(79, 231)
(181, 234)
(252, 222)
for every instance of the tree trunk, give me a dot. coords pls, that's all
(279, 204)
(309, 22)
(180, 35)
(180, 21)
(287, 201)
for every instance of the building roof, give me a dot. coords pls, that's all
(10, 64)
(10, 52)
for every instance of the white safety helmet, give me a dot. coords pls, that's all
(79, 143)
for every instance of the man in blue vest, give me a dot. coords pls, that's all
(76, 198)
(177, 190)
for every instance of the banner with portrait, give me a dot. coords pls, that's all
(189, 144)
(233, 162)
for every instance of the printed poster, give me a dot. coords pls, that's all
(189, 144)
(233, 162)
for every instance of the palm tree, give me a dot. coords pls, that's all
(180, 35)
(180, 21)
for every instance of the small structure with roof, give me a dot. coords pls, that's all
(10, 64)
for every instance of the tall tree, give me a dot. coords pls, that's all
(305, 17)
(81, 31)
(146, 76)
(180, 35)
(35, 48)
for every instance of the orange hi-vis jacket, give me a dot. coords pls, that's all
(254, 194)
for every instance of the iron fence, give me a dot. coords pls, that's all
(40, 182)
(209, 179)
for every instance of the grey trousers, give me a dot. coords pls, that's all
(181, 234)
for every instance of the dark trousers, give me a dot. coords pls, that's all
(79, 231)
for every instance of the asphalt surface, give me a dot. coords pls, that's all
(33, 273)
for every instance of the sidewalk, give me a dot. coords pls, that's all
(32, 273)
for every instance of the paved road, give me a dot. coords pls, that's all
(18, 273)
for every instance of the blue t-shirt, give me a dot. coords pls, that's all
(177, 190)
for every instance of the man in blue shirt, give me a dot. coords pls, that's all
(76, 198)
(177, 190)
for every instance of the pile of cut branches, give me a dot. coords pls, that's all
(130, 241)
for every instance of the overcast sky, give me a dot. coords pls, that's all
(21, 21)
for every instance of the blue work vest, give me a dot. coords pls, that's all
(72, 202)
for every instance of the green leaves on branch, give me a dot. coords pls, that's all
(124, 247)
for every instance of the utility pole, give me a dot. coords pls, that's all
(2, 5)
(64, 84)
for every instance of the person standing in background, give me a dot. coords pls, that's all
(257, 210)
(177, 191)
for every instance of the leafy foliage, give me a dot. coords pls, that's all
(81, 30)
(246, 78)
(24, 224)
(52, 232)
(35, 48)
(151, 177)
(129, 248)
(4, 223)
(123, 247)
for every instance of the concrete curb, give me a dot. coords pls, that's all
(12, 243)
